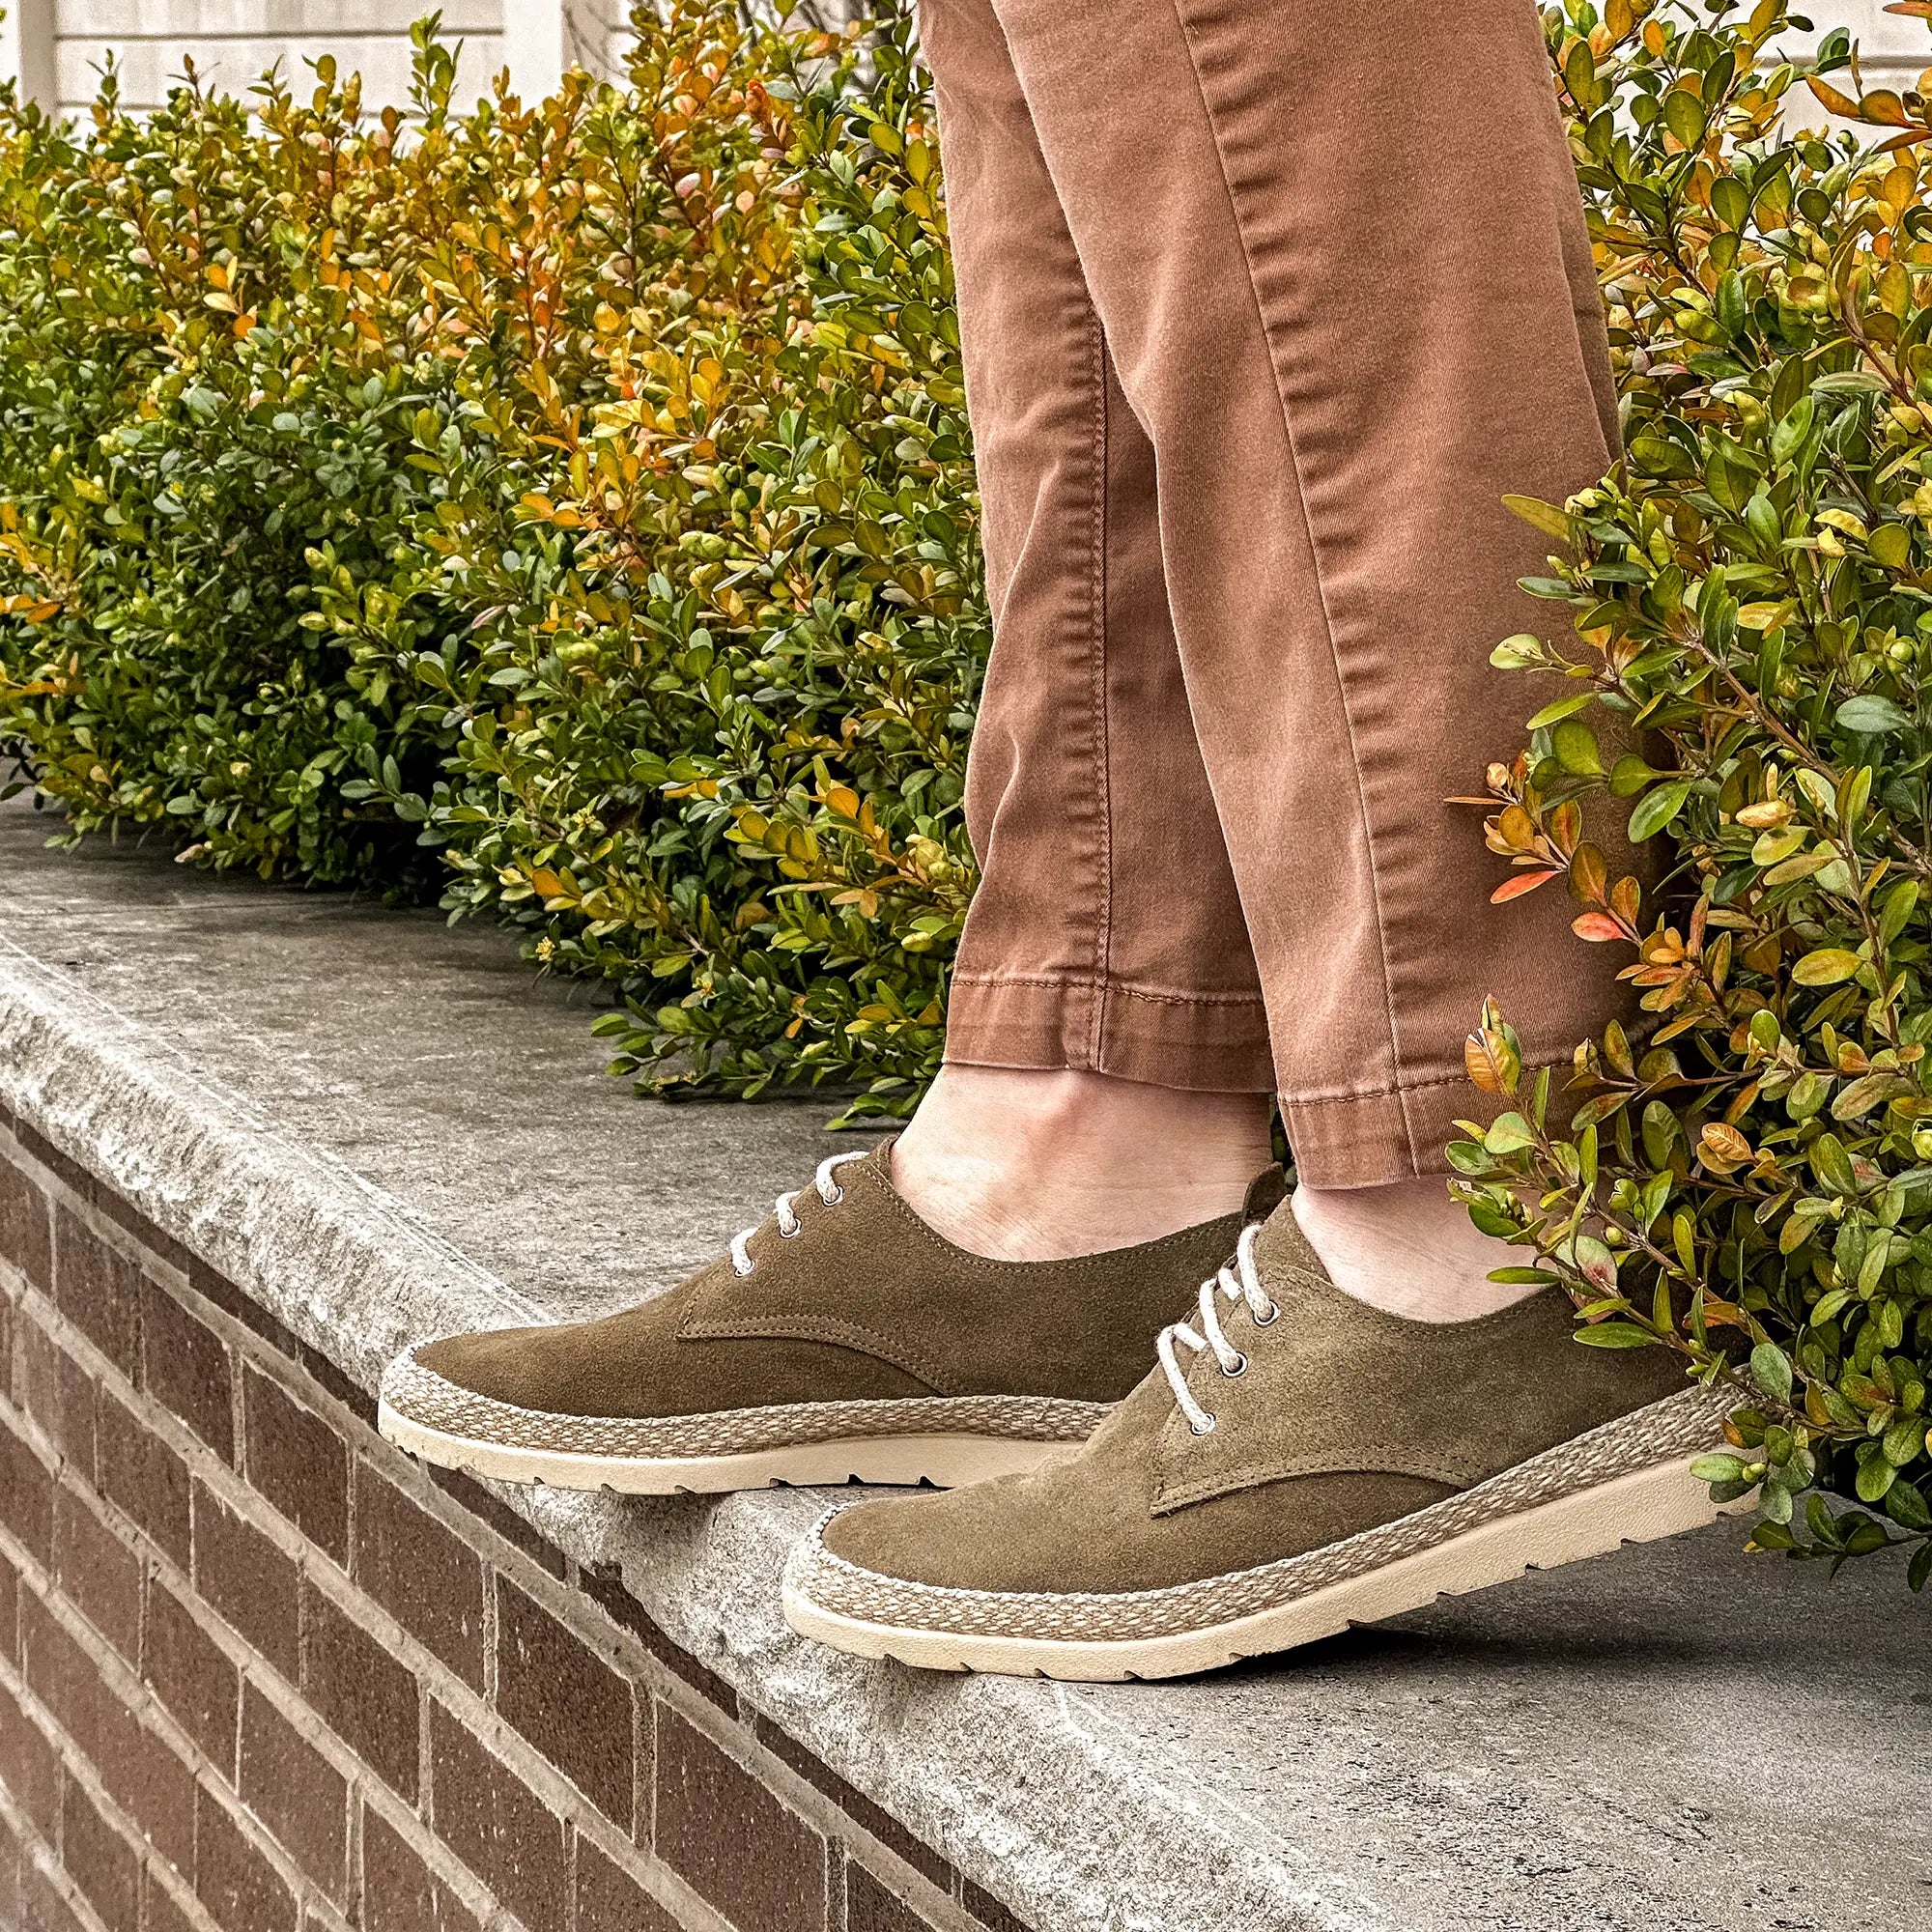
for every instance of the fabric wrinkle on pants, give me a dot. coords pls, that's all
(1265, 306)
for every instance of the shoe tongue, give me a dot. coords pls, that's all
(1282, 1248)
(877, 1167)
(1266, 1191)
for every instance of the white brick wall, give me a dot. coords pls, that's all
(57, 47)
(233, 42)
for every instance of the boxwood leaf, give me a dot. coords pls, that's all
(1871, 715)
(1657, 809)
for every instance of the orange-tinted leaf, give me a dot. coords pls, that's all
(1516, 887)
(1516, 828)
(1490, 1061)
(1589, 875)
(1840, 104)
(1596, 926)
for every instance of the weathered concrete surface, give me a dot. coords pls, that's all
(384, 1128)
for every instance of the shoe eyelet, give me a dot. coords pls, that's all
(744, 1273)
(792, 1234)
(1274, 1311)
(1209, 1430)
(1240, 1368)
(833, 1199)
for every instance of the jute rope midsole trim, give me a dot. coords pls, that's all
(1681, 1424)
(437, 1402)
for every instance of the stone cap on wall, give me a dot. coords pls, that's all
(383, 1129)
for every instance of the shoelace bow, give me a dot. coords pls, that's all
(1238, 1281)
(829, 1192)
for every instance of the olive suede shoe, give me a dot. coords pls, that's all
(1299, 1462)
(843, 1339)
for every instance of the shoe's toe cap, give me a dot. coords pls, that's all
(505, 1364)
(945, 1539)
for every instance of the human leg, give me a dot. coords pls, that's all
(1108, 1061)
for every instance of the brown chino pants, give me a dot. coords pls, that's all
(1266, 305)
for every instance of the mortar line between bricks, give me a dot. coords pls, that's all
(287, 1700)
(691, 1910)
(476, 1715)
(320, 1916)
(438, 1682)
(358, 1805)
(846, 1832)
(846, 1838)
(75, 1764)
(46, 1861)
(896, 1876)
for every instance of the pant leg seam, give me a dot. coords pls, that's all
(1103, 926)
(1313, 547)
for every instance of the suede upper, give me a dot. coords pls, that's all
(1344, 1418)
(1337, 1385)
(864, 1302)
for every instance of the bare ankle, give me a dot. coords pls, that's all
(1022, 1164)
(1409, 1248)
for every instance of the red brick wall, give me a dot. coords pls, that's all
(259, 1673)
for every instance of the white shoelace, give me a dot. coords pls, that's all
(1238, 1281)
(829, 1192)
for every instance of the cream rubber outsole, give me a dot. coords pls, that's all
(1639, 1507)
(945, 1460)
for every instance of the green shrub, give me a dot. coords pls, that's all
(730, 776)
(565, 506)
(1749, 1179)
(177, 429)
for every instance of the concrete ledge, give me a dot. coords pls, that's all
(376, 1129)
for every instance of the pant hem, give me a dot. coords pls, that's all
(1399, 1133)
(1210, 1043)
